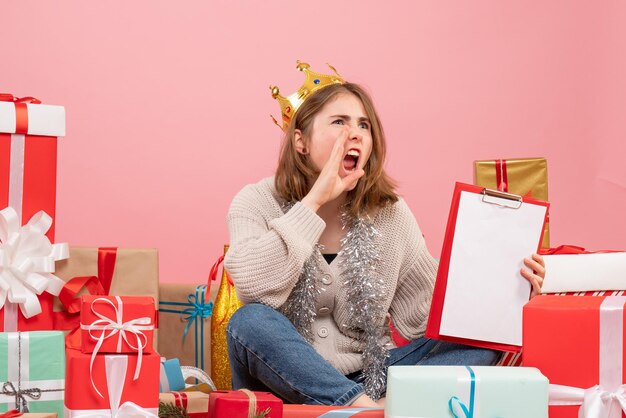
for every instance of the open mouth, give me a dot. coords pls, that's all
(351, 160)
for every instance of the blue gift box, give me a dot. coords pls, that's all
(466, 392)
(171, 376)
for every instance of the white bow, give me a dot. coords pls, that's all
(27, 261)
(117, 326)
(595, 402)
(116, 367)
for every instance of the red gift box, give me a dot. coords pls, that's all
(117, 324)
(28, 155)
(238, 403)
(28, 161)
(112, 384)
(578, 344)
(319, 411)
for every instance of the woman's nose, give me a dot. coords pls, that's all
(355, 134)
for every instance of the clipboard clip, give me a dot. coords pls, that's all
(515, 200)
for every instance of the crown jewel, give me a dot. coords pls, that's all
(313, 82)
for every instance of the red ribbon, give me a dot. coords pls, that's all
(12, 414)
(213, 278)
(180, 399)
(572, 249)
(215, 269)
(21, 110)
(95, 285)
(501, 178)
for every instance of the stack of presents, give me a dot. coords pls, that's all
(79, 326)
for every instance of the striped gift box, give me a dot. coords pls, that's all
(515, 359)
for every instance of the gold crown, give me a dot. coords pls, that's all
(314, 81)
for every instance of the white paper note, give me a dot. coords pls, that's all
(485, 291)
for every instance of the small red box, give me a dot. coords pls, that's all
(235, 404)
(100, 315)
(81, 395)
(562, 337)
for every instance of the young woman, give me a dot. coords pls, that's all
(323, 253)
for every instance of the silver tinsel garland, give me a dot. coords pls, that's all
(360, 259)
(300, 306)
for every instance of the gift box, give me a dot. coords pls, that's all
(28, 155)
(324, 411)
(28, 169)
(584, 272)
(114, 382)
(104, 271)
(32, 371)
(521, 176)
(195, 403)
(481, 391)
(185, 317)
(171, 377)
(27, 282)
(243, 404)
(117, 324)
(578, 343)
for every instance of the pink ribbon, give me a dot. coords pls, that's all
(108, 327)
(608, 398)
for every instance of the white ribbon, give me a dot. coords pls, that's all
(108, 327)
(608, 399)
(115, 367)
(27, 261)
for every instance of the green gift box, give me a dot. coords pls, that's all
(32, 371)
(464, 391)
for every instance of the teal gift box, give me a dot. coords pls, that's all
(466, 392)
(32, 371)
(171, 376)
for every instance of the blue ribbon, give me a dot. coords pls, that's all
(455, 401)
(196, 310)
(346, 412)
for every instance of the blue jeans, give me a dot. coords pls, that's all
(267, 353)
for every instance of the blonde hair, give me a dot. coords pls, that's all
(292, 180)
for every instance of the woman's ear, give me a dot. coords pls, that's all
(300, 145)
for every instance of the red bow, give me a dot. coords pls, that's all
(21, 110)
(572, 249)
(95, 285)
(11, 414)
(7, 97)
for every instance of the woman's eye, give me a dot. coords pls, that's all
(364, 125)
(338, 122)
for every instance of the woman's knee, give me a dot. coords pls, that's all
(248, 319)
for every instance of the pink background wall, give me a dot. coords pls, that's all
(168, 106)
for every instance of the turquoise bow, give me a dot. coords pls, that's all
(457, 406)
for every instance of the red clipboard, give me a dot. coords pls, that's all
(508, 202)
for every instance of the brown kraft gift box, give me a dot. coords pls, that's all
(120, 271)
(186, 306)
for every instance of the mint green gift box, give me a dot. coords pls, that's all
(32, 371)
(471, 392)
